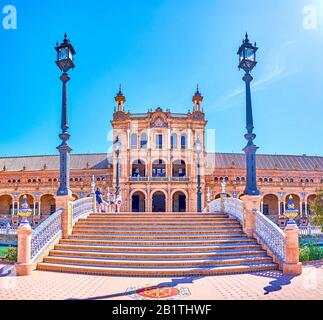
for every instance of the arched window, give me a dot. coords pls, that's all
(216, 179)
(134, 141)
(265, 180)
(143, 141)
(173, 141)
(291, 180)
(238, 179)
(311, 181)
(243, 179)
(183, 141)
(260, 179)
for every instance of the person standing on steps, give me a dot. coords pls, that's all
(111, 202)
(99, 199)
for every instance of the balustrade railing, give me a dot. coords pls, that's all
(82, 208)
(233, 207)
(45, 234)
(8, 231)
(311, 231)
(271, 235)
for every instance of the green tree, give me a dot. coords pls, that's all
(317, 208)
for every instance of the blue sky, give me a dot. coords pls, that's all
(159, 51)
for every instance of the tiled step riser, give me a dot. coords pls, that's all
(159, 216)
(108, 249)
(157, 223)
(94, 231)
(75, 236)
(151, 220)
(153, 273)
(156, 243)
(155, 264)
(150, 257)
(157, 228)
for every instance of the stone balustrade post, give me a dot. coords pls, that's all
(250, 204)
(24, 267)
(62, 202)
(94, 208)
(292, 266)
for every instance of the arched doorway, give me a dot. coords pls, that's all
(5, 205)
(138, 202)
(47, 205)
(159, 202)
(270, 205)
(138, 169)
(310, 201)
(218, 196)
(179, 202)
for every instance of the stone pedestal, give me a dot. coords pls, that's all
(24, 267)
(62, 202)
(250, 204)
(292, 266)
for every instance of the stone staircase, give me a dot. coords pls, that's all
(157, 245)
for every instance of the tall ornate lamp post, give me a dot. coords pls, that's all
(65, 62)
(117, 148)
(198, 150)
(247, 61)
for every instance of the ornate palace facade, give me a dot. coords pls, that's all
(158, 169)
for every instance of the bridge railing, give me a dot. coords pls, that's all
(45, 234)
(82, 208)
(271, 235)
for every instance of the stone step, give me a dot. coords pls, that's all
(77, 235)
(175, 228)
(159, 215)
(155, 264)
(154, 232)
(153, 219)
(158, 250)
(158, 223)
(158, 256)
(154, 272)
(157, 243)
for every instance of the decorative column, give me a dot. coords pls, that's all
(247, 61)
(65, 54)
(198, 149)
(292, 265)
(24, 267)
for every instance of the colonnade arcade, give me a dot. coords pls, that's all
(159, 201)
(40, 204)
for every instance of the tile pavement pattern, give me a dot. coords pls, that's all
(253, 286)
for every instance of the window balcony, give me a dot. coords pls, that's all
(180, 179)
(138, 179)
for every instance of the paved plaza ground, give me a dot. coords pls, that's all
(256, 286)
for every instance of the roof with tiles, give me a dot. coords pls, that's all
(266, 162)
(214, 160)
(51, 163)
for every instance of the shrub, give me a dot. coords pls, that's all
(304, 254)
(310, 252)
(11, 255)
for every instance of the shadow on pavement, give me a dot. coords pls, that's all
(277, 284)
